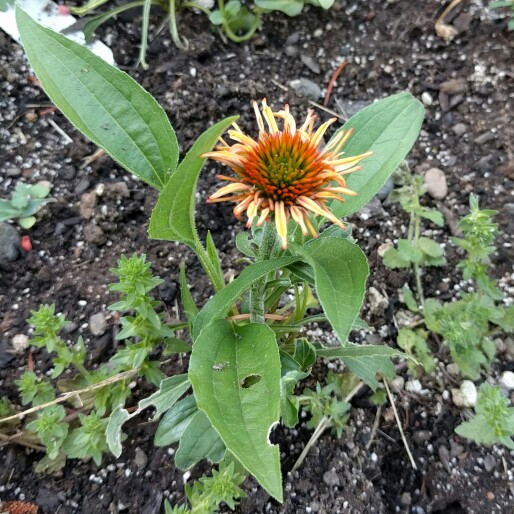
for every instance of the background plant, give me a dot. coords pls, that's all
(416, 251)
(25, 202)
(242, 374)
(509, 4)
(238, 22)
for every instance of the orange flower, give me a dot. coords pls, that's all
(285, 173)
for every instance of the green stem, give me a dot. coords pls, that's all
(417, 270)
(230, 33)
(213, 274)
(175, 36)
(258, 290)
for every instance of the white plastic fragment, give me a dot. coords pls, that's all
(50, 15)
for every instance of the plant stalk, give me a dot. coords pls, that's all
(258, 290)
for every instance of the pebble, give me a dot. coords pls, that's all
(435, 181)
(385, 189)
(94, 234)
(413, 386)
(87, 205)
(331, 478)
(306, 88)
(485, 138)
(453, 369)
(382, 249)
(310, 63)
(489, 463)
(398, 383)
(507, 380)
(140, 459)
(117, 189)
(466, 395)
(20, 342)
(453, 86)
(81, 186)
(291, 51)
(378, 303)
(427, 99)
(98, 324)
(460, 129)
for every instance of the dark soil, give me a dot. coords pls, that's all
(392, 47)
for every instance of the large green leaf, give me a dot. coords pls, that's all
(388, 128)
(235, 374)
(199, 441)
(173, 218)
(218, 306)
(104, 103)
(340, 270)
(170, 390)
(365, 361)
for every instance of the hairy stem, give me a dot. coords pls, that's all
(258, 290)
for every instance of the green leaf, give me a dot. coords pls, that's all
(224, 359)
(173, 218)
(89, 6)
(175, 421)
(432, 215)
(188, 303)
(27, 222)
(171, 389)
(218, 306)
(104, 103)
(212, 253)
(304, 354)
(365, 361)
(341, 271)
(289, 7)
(408, 297)
(431, 248)
(388, 128)
(392, 259)
(199, 441)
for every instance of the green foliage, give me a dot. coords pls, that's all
(88, 440)
(414, 343)
(494, 419)
(500, 4)
(25, 201)
(50, 428)
(207, 494)
(327, 402)
(34, 390)
(244, 369)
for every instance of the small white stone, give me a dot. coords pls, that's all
(466, 395)
(427, 99)
(186, 476)
(20, 342)
(382, 249)
(398, 383)
(507, 380)
(413, 386)
(435, 180)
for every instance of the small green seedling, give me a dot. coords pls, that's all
(414, 343)
(493, 421)
(24, 203)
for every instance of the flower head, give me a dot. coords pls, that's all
(285, 173)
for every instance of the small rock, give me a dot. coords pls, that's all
(119, 189)
(331, 478)
(386, 189)
(422, 436)
(427, 99)
(444, 457)
(466, 395)
(453, 369)
(87, 205)
(306, 88)
(435, 181)
(489, 463)
(373, 209)
(82, 186)
(314, 506)
(20, 342)
(413, 386)
(405, 499)
(398, 383)
(94, 234)
(507, 380)
(140, 459)
(485, 138)
(382, 249)
(378, 303)
(98, 324)
(291, 51)
(293, 38)
(459, 129)
(456, 449)
(453, 86)
(310, 63)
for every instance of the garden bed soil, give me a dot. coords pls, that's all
(466, 85)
